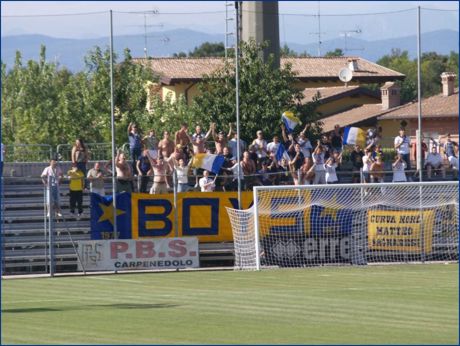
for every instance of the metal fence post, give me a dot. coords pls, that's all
(176, 216)
(45, 224)
(51, 226)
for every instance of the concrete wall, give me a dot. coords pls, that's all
(430, 127)
(344, 103)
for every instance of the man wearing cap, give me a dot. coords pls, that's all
(52, 174)
(260, 145)
(402, 147)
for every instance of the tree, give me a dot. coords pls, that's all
(206, 49)
(30, 99)
(180, 55)
(399, 61)
(42, 103)
(336, 52)
(265, 93)
(168, 115)
(432, 65)
(287, 52)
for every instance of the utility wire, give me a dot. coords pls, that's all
(437, 9)
(54, 15)
(223, 12)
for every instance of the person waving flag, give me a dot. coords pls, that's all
(290, 121)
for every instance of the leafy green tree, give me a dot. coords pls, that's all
(31, 104)
(206, 49)
(180, 55)
(265, 93)
(335, 52)
(42, 103)
(168, 115)
(130, 95)
(287, 52)
(432, 66)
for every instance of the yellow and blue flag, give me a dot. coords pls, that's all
(290, 121)
(209, 162)
(354, 136)
(102, 219)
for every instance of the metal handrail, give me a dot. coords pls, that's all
(28, 152)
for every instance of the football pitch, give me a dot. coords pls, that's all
(392, 304)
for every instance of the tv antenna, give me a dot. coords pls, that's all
(349, 33)
(145, 30)
(319, 29)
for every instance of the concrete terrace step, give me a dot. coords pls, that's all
(38, 216)
(35, 227)
(68, 252)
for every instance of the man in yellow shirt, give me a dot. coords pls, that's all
(76, 185)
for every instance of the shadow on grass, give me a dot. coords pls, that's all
(90, 307)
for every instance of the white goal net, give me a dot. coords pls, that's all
(299, 226)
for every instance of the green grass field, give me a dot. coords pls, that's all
(397, 304)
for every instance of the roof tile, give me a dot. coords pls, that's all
(306, 67)
(437, 106)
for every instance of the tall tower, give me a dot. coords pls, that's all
(260, 21)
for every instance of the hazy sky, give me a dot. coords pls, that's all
(189, 14)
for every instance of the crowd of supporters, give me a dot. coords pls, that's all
(153, 161)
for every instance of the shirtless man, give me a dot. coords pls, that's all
(199, 147)
(124, 173)
(166, 146)
(182, 139)
(248, 167)
(160, 171)
(221, 140)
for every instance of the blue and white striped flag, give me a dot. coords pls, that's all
(282, 153)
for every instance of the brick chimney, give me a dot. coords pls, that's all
(448, 82)
(391, 95)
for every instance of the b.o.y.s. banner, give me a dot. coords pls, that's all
(139, 216)
(204, 215)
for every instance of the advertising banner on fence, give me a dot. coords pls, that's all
(400, 230)
(123, 254)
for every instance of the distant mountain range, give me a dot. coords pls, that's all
(70, 52)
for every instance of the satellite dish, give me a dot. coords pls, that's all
(345, 75)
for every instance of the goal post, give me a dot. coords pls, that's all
(340, 224)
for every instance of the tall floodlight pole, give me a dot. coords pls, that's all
(237, 91)
(419, 139)
(419, 92)
(114, 190)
